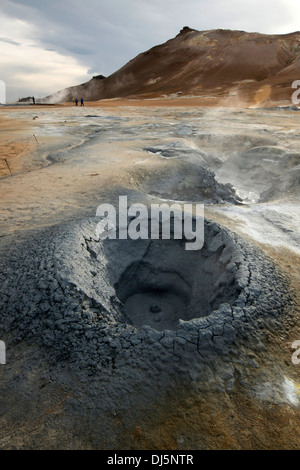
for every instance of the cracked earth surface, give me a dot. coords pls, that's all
(142, 344)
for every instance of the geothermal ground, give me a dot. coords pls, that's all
(142, 344)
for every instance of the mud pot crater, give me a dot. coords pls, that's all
(125, 305)
(167, 283)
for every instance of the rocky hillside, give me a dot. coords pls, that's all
(226, 64)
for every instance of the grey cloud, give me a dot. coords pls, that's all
(79, 50)
(10, 41)
(93, 70)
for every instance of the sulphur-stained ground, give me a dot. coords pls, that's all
(208, 363)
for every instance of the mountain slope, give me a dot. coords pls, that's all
(226, 64)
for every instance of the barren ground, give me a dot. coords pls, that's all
(63, 161)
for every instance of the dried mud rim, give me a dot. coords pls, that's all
(160, 282)
(161, 285)
(121, 303)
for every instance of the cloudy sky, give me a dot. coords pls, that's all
(47, 45)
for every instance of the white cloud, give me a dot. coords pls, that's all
(28, 68)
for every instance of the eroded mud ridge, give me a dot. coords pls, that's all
(143, 305)
(187, 181)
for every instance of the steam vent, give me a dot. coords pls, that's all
(102, 302)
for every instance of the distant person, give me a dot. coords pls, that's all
(81, 101)
(76, 102)
(33, 100)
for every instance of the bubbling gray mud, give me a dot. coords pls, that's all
(141, 309)
(168, 283)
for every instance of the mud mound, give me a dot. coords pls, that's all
(120, 327)
(92, 302)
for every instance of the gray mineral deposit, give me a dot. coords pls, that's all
(143, 344)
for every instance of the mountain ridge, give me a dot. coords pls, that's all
(228, 64)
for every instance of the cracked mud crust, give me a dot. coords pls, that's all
(64, 305)
(208, 363)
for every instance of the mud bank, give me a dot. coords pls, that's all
(140, 344)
